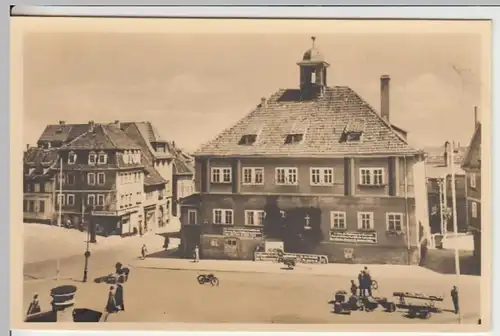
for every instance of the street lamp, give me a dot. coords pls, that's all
(87, 251)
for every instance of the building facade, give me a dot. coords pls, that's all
(183, 185)
(438, 174)
(39, 185)
(472, 166)
(129, 189)
(315, 167)
(102, 175)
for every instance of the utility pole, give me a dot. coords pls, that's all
(455, 224)
(59, 216)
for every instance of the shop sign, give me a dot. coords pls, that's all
(353, 237)
(103, 213)
(301, 258)
(242, 232)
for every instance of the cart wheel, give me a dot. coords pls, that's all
(201, 279)
(322, 261)
(374, 284)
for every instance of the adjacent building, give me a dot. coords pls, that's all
(122, 171)
(438, 173)
(39, 184)
(472, 166)
(315, 167)
(183, 183)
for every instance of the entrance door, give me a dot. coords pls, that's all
(231, 248)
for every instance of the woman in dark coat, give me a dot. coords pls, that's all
(110, 304)
(119, 297)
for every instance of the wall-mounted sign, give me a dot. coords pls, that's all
(104, 213)
(301, 258)
(353, 237)
(242, 232)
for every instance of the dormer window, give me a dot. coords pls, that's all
(296, 133)
(71, 158)
(92, 158)
(102, 158)
(353, 131)
(250, 135)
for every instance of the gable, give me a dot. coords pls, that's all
(472, 159)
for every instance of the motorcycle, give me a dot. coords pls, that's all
(208, 278)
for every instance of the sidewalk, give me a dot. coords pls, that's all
(347, 270)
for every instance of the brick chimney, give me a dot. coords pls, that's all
(91, 125)
(263, 102)
(384, 96)
(62, 122)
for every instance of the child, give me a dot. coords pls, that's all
(354, 288)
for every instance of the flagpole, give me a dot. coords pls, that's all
(455, 224)
(59, 217)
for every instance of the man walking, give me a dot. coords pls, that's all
(144, 251)
(454, 298)
(196, 254)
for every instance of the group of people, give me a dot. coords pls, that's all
(364, 283)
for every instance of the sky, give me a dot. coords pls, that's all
(192, 86)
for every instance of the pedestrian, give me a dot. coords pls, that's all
(119, 296)
(354, 288)
(368, 281)
(454, 298)
(361, 281)
(110, 304)
(34, 307)
(144, 251)
(196, 254)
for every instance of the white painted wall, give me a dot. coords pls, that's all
(421, 200)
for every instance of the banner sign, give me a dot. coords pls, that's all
(353, 237)
(103, 213)
(242, 232)
(301, 258)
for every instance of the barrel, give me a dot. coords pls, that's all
(63, 296)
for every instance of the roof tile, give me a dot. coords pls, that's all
(325, 118)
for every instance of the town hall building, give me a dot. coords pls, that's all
(315, 167)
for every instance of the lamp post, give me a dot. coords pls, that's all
(87, 251)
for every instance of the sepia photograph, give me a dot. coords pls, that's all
(252, 172)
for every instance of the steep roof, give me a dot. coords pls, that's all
(322, 120)
(148, 134)
(182, 167)
(102, 137)
(38, 161)
(472, 158)
(63, 133)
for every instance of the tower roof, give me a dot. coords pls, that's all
(313, 55)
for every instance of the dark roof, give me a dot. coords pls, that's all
(472, 158)
(193, 199)
(144, 133)
(102, 137)
(63, 133)
(324, 119)
(152, 177)
(37, 161)
(182, 167)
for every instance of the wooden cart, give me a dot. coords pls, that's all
(424, 310)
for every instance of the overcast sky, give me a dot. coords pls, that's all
(192, 86)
